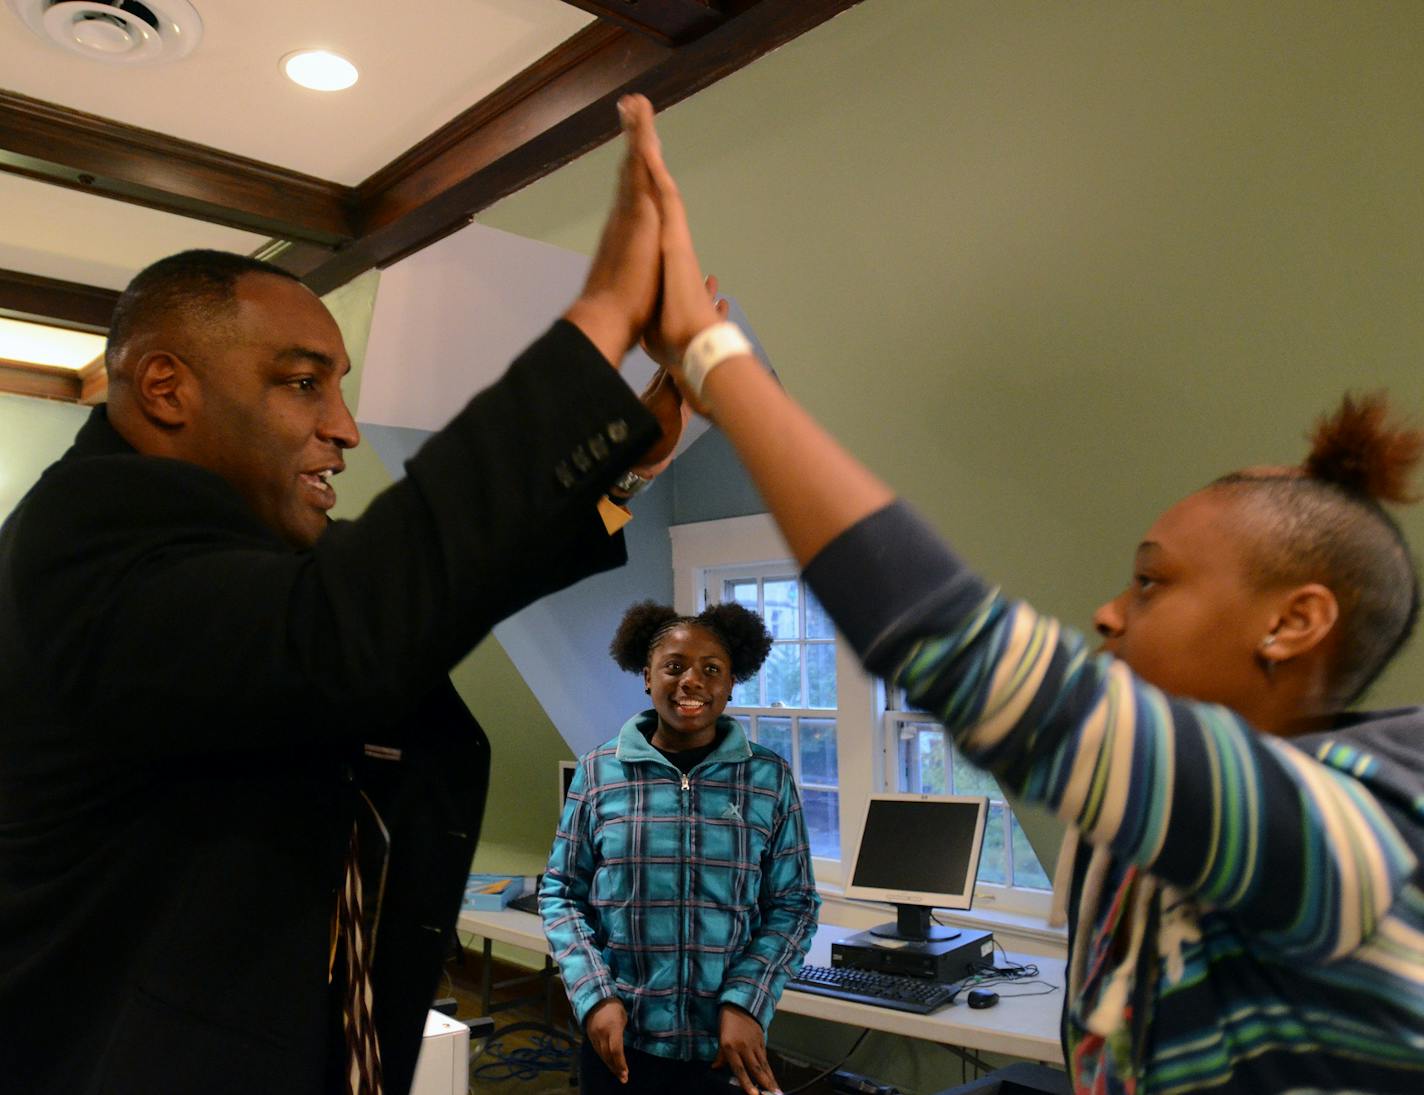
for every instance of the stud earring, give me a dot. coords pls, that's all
(1268, 665)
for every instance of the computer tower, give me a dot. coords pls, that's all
(940, 960)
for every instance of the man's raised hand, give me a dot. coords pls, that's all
(622, 284)
(688, 304)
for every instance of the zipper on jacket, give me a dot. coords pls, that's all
(682, 965)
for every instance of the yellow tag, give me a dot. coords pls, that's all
(614, 516)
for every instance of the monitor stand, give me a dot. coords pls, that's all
(914, 925)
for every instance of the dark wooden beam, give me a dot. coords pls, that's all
(497, 146)
(93, 382)
(43, 381)
(299, 259)
(548, 115)
(66, 147)
(667, 22)
(59, 303)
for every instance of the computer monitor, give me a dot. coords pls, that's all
(567, 768)
(918, 853)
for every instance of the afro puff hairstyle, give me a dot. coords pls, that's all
(738, 629)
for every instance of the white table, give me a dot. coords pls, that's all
(1019, 1027)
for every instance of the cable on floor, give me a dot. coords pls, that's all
(551, 1051)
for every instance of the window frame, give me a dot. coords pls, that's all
(713, 582)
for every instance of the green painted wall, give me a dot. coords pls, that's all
(1047, 267)
(33, 435)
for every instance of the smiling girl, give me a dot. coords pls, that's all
(679, 895)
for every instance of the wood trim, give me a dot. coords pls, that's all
(60, 303)
(42, 381)
(667, 22)
(93, 382)
(299, 259)
(548, 115)
(437, 161)
(554, 111)
(502, 143)
(70, 148)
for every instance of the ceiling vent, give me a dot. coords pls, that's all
(116, 32)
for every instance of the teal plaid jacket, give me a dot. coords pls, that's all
(678, 894)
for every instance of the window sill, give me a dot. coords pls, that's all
(1022, 932)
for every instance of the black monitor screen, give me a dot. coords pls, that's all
(918, 846)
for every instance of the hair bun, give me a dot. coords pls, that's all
(640, 623)
(1363, 449)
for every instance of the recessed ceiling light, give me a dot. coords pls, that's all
(39, 344)
(319, 69)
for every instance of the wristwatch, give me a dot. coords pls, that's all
(629, 484)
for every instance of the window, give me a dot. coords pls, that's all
(790, 705)
(926, 761)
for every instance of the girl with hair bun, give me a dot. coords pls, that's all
(1243, 869)
(679, 895)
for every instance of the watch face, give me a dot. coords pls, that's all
(630, 482)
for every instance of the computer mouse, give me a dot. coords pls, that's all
(982, 998)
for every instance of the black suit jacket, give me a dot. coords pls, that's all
(184, 703)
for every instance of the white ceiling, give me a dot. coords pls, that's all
(422, 62)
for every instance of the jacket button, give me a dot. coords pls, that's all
(581, 460)
(598, 446)
(618, 431)
(563, 475)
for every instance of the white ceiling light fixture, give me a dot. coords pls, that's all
(116, 32)
(319, 70)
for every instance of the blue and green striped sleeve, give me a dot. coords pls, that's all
(1301, 853)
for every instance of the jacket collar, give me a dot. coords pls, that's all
(97, 437)
(634, 748)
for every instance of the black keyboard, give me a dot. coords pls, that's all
(883, 990)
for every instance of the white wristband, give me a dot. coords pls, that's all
(709, 348)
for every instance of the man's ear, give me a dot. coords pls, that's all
(1308, 615)
(165, 388)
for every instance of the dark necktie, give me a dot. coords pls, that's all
(363, 1050)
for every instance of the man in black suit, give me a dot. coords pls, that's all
(204, 683)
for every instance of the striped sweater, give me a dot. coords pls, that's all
(679, 894)
(1247, 912)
